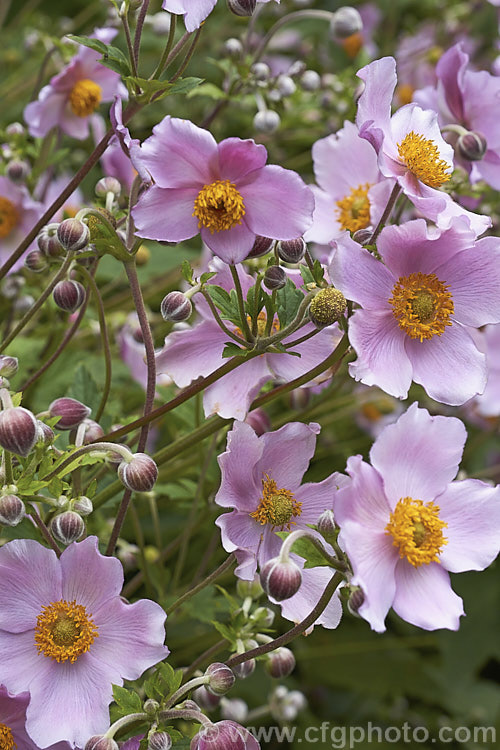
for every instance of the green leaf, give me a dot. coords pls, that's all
(233, 350)
(185, 85)
(306, 549)
(187, 271)
(288, 300)
(227, 303)
(207, 276)
(112, 57)
(208, 89)
(318, 272)
(84, 388)
(128, 701)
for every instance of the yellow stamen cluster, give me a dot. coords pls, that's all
(64, 631)
(85, 97)
(405, 92)
(422, 305)
(352, 44)
(9, 217)
(417, 530)
(421, 156)
(354, 209)
(6, 738)
(261, 325)
(276, 506)
(219, 206)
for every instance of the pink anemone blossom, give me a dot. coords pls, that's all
(418, 307)
(194, 11)
(261, 481)
(74, 94)
(405, 524)
(18, 215)
(105, 640)
(223, 191)
(12, 723)
(314, 582)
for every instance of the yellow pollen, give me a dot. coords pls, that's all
(6, 738)
(64, 631)
(404, 93)
(85, 97)
(422, 305)
(219, 206)
(9, 217)
(261, 325)
(276, 506)
(354, 209)
(421, 156)
(352, 44)
(417, 530)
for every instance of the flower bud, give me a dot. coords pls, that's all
(69, 295)
(92, 431)
(326, 525)
(48, 241)
(73, 234)
(142, 256)
(233, 709)
(18, 170)
(221, 678)
(253, 589)
(291, 251)
(245, 669)
(261, 71)
(472, 146)
(280, 580)
(346, 21)
(261, 246)
(100, 742)
(223, 735)
(151, 707)
(139, 474)
(286, 85)
(108, 185)
(242, 7)
(24, 303)
(263, 617)
(355, 601)
(280, 663)
(310, 80)
(233, 48)
(18, 430)
(274, 278)
(70, 411)
(36, 261)
(205, 700)
(45, 434)
(363, 236)
(267, 121)
(83, 505)
(12, 510)
(258, 421)
(159, 741)
(176, 307)
(15, 128)
(327, 307)
(8, 365)
(67, 527)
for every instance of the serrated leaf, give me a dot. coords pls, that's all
(306, 274)
(318, 272)
(225, 632)
(112, 57)
(288, 301)
(207, 276)
(171, 678)
(233, 350)
(127, 701)
(185, 85)
(227, 303)
(187, 271)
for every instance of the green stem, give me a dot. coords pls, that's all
(303, 338)
(220, 322)
(196, 682)
(171, 35)
(203, 584)
(241, 304)
(126, 28)
(7, 467)
(256, 299)
(187, 59)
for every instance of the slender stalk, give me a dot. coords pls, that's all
(174, 52)
(196, 682)
(45, 532)
(299, 15)
(7, 467)
(241, 304)
(138, 32)
(220, 322)
(303, 338)
(256, 298)
(187, 59)
(205, 656)
(126, 28)
(387, 212)
(166, 51)
(228, 562)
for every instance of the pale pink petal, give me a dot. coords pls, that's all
(360, 276)
(362, 500)
(82, 565)
(240, 486)
(162, 214)
(314, 582)
(374, 104)
(316, 497)
(287, 367)
(240, 531)
(424, 597)
(193, 352)
(325, 226)
(45, 113)
(238, 157)
(231, 396)
(287, 452)
(231, 245)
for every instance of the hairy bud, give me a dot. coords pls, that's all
(346, 21)
(280, 580)
(18, 170)
(93, 431)
(355, 601)
(100, 742)
(274, 278)
(242, 7)
(108, 185)
(310, 80)
(327, 307)
(221, 678)
(234, 709)
(139, 474)
(12, 510)
(267, 121)
(48, 241)
(73, 234)
(245, 669)
(280, 663)
(159, 741)
(18, 430)
(261, 246)
(69, 295)
(206, 700)
(176, 307)
(70, 411)
(83, 505)
(233, 48)
(36, 261)
(8, 366)
(67, 527)
(45, 434)
(253, 589)
(363, 236)
(223, 735)
(291, 251)
(472, 146)
(326, 525)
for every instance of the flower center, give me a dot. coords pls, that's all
(276, 506)
(64, 631)
(405, 93)
(354, 209)
(9, 217)
(421, 156)
(85, 97)
(219, 206)
(6, 738)
(352, 44)
(417, 530)
(261, 325)
(422, 305)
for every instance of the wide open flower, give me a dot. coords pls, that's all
(12, 723)
(223, 191)
(417, 306)
(261, 480)
(352, 193)
(404, 523)
(18, 214)
(196, 351)
(194, 11)
(469, 98)
(410, 147)
(75, 93)
(66, 636)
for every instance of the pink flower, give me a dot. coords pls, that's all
(13, 720)
(194, 11)
(261, 481)
(487, 404)
(18, 214)
(75, 93)
(417, 306)
(314, 582)
(223, 191)
(105, 640)
(410, 147)
(404, 523)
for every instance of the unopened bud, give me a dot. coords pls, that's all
(69, 295)
(261, 246)
(142, 256)
(233, 47)
(363, 236)
(83, 505)
(176, 307)
(223, 735)
(267, 121)
(139, 474)
(242, 7)
(245, 669)
(48, 241)
(206, 700)
(326, 525)
(151, 707)
(45, 433)
(36, 261)
(258, 421)
(261, 71)
(221, 678)
(100, 742)
(327, 307)
(346, 21)
(274, 278)
(15, 128)
(263, 617)
(280, 580)
(472, 146)
(159, 741)
(70, 411)
(92, 431)
(18, 170)
(67, 527)
(73, 234)
(108, 185)
(8, 365)
(291, 251)
(310, 80)
(286, 85)
(355, 601)
(280, 663)
(12, 510)
(18, 430)
(234, 709)
(253, 589)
